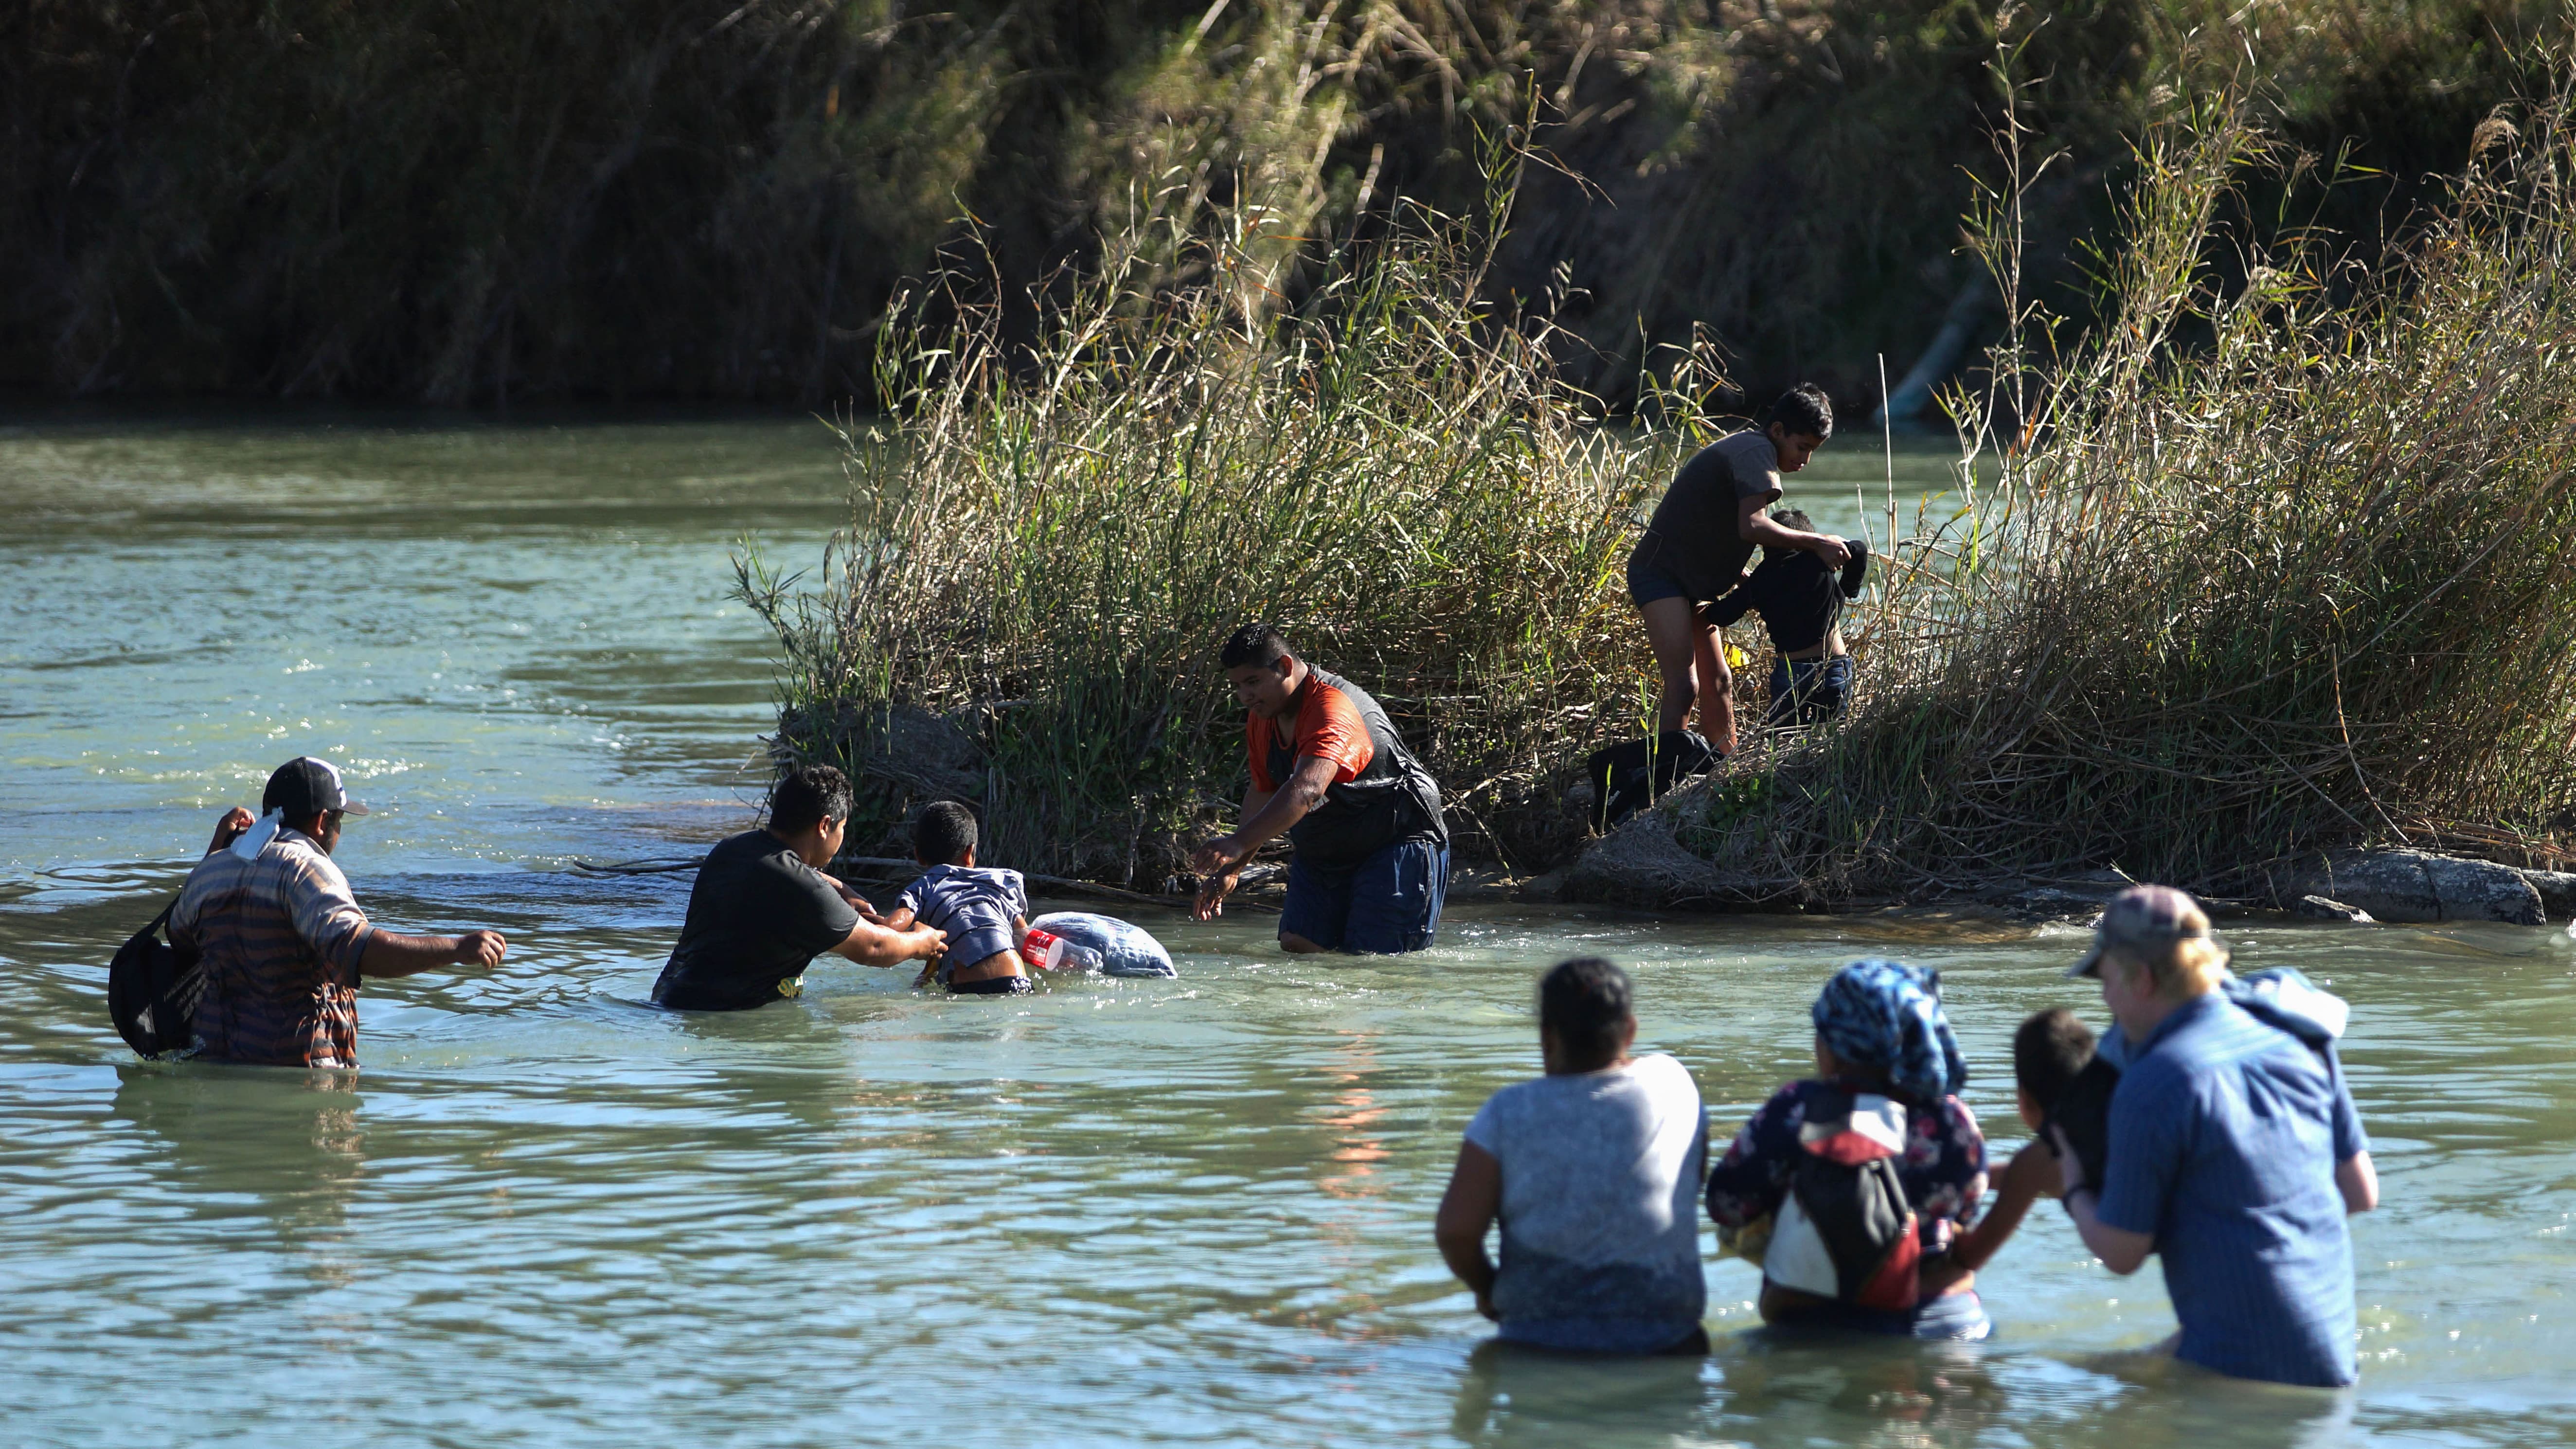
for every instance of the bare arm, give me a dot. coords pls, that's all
(229, 829)
(2031, 1175)
(871, 944)
(1755, 526)
(1219, 865)
(1282, 809)
(2358, 1180)
(390, 953)
(1467, 1209)
(2121, 1251)
(857, 902)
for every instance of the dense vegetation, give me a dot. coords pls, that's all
(2271, 562)
(469, 201)
(2302, 586)
(1057, 537)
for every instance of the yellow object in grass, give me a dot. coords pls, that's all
(1737, 658)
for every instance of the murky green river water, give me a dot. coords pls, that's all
(1112, 1213)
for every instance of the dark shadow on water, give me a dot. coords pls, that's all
(1759, 1389)
(2155, 1401)
(290, 1141)
(1797, 1388)
(1512, 1395)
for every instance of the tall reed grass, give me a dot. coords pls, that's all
(2302, 585)
(1052, 538)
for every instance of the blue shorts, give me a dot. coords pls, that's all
(1805, 691)
(1386, 905)
(1647, 583)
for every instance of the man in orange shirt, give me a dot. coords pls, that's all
(1372, 853)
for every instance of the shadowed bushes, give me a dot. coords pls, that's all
(470, 201)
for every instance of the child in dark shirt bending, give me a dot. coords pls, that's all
(983, 910)
(1799, 599)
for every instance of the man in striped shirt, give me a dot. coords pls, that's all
(281, 941)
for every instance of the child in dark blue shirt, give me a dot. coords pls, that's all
(984, 911)
(1799, 599)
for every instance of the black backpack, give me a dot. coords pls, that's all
(1846, 1231)
(152, 991)
(1627, 777)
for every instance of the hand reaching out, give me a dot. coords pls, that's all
(481, 948)
(1212, 893)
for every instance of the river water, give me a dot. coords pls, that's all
(1111, 1213)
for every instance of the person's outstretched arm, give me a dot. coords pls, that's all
(1266, 817)
(870, 944)
(2031, 1175)
(857, 902)
(1474, 1199)
(1735, 603)
(1219, 879)
(1285, 807)
(1755, 526)
(390, 953)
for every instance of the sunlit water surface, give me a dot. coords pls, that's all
(1110, 1213)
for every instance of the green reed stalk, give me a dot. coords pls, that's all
(1058, 533)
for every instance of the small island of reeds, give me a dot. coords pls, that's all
(2270, 558)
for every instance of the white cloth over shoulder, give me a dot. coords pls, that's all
(1600, 1205)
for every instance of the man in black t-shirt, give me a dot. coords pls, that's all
(762, 909)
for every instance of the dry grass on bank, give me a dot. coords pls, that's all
(2303, 587)
(1057, 537)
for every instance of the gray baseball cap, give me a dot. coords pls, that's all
(2145, 921)
(304, 785)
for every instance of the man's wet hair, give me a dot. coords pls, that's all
(942, 833)
(808, 796)
(2049, 1052)
(1586, 1001)
(1805, 409)
(1260, 644)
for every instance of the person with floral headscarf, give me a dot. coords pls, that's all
(1884, 1051)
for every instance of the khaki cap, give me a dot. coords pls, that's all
(2145, 921)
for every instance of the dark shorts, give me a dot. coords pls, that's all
(1647, 583)
(1386, 905)
(991, 986)
(1608, 1335)
(1806, 691)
